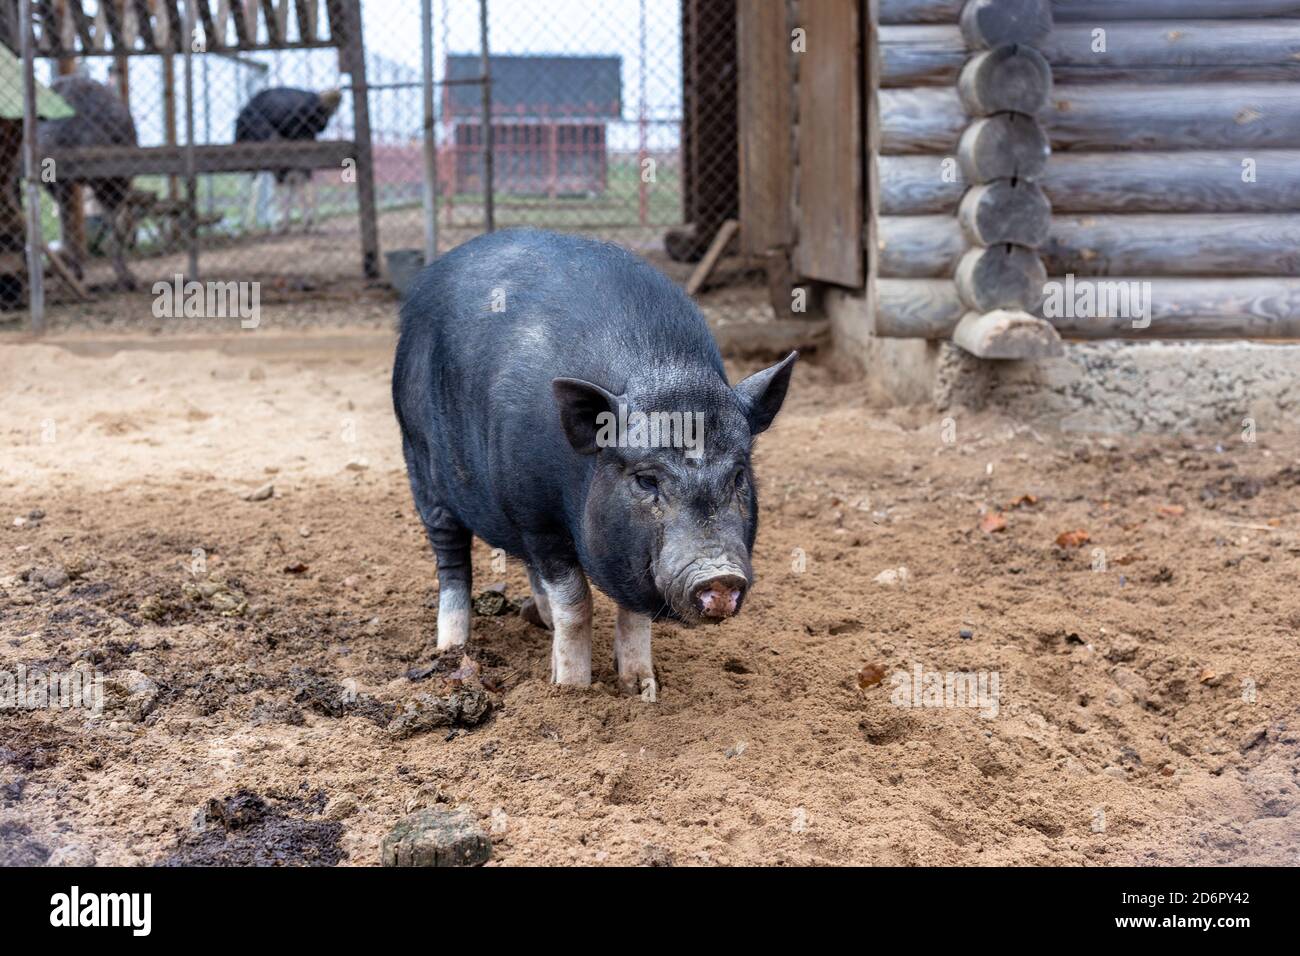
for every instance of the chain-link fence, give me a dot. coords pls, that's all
(229, 140)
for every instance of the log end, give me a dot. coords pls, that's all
(1005, 146)
(1011, 78)
(1001, 277)
(1006, 334)
(991, 23)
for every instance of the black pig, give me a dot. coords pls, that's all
(563, 400)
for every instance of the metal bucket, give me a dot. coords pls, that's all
(403, 266)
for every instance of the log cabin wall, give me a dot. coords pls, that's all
(1174, 136)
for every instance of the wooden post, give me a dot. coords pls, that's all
(169, 115)
(829, 242)
(765, 114)
(643, 187)
(430, 141)
(354, 57)
(72, 232)
(489, 160)
(31, 160)
(191, 179)
(551, 133)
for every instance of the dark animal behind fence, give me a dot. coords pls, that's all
(101, 119)
(288, 113)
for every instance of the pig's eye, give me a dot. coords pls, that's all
(647, 483)
(740, 480)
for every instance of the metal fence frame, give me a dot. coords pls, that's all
(651, 130)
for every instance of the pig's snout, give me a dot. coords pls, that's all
(710, 588)
(718, 598)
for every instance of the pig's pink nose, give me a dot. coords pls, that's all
(719, 597)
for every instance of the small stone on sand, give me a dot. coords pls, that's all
(262, 493)
(891, 577)
(436, 837)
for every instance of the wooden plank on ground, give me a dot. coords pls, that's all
(717, 247)
(64, 272)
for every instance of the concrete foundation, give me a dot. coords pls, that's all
(1109, 386)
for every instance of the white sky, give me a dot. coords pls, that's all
(392, 35)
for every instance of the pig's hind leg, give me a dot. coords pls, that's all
(636, 671)
(451, 546)
(451, 542)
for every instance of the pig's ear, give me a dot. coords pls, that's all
(763, 392)
(580, 405)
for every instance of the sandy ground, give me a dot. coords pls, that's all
(260, 655)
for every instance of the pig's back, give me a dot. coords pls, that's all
(484, 332)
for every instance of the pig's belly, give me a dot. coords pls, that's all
(472, 501)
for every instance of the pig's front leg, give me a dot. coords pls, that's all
(636, 672)
(570, 605)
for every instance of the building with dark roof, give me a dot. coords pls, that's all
(548, 122)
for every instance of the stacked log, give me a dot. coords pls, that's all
(1138, 51)
(1003, 215)
(943, 190)
(1174, 131)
